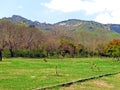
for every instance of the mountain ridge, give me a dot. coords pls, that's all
(17, 18)
(70, 24)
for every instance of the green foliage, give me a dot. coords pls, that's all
(94, 67)
(6, 53)
(113, 48)
(31, 53)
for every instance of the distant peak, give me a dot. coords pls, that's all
(16, 16)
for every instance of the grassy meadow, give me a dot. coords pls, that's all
(28, 74)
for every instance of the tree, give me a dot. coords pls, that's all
(2, 38)
(29, 39)
(2, 45)
(11, 35)
(112, 49)
(99, 47)
(16, 37)
(80, 49)
(67, 46)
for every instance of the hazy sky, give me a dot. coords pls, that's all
(52, 11)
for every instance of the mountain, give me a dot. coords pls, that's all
(17, 18)
(71, 24)
(90, 29)
(115, 27)
(84, 32)
(75, 24)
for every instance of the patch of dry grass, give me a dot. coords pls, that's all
(105, 83)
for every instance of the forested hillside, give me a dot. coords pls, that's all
(72, 38)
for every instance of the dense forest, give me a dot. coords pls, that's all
(22, 40)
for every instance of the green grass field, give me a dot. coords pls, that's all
(27, 74)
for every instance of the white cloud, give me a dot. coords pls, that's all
(104, 18)
(107, 11)
(65, 5)
(90, 6)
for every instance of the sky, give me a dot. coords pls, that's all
(53, 11)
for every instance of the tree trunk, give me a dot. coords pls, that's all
(0, 55)
(11, 52)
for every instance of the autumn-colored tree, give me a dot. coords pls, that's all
(16, 37)
(99, 47)
(21, 40)
(67, 46)
(80, 49)
(30, 40)
(112, 49)
(2, 38)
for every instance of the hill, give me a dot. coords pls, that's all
(115, 27)
(71, 24)
(75, 24)
(17, 18)
(90, 30)
(62, 38)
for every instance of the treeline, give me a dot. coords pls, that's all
(21, 40)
